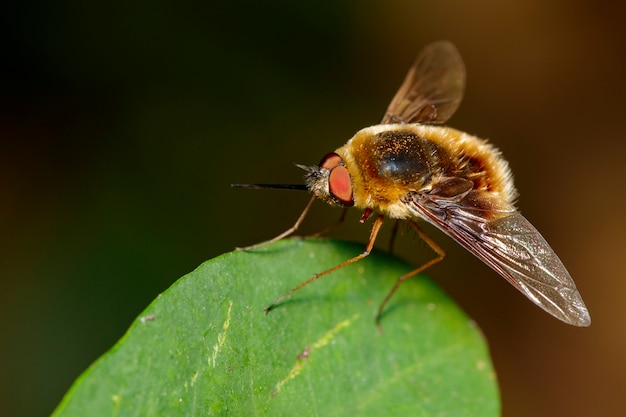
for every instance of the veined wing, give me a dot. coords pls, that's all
(502, 238)
(432, 89)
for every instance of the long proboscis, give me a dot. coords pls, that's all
(300, 187)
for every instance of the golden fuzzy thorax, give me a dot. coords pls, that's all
(386, 162)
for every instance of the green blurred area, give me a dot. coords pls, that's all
(123, 124)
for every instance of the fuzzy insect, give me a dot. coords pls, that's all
(411, 168)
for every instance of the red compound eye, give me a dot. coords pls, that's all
(339, 183)
(340, 186)
(330, 161)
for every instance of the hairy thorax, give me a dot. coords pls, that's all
(387, 162)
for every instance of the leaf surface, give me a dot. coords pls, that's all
(205, 347)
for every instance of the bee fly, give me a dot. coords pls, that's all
(410, 168)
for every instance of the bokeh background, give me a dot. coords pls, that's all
(122, 125)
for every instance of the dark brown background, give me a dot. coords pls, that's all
(122, 126)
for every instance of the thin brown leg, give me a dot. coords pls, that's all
(287, 232)
(394, 233)
(332, 226)
(440, 255)
(370, 244)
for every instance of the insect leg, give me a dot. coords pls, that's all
(332, 226)
(370, 244)
(287, 232)
(394, 233)
(440, 255)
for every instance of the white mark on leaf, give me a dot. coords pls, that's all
(221, 338)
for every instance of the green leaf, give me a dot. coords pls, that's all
(205, 347)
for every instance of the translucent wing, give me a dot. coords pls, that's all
(433, 88)
(502, 238)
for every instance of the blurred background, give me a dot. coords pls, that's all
(122, 125)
